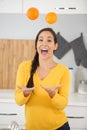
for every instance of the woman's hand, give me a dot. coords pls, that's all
(26, 91)
(51, 91)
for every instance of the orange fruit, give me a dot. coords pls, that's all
(51, 17)
(32, 13)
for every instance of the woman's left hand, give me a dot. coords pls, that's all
(26, 91)
(51, 91)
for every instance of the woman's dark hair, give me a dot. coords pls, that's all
(35, 62)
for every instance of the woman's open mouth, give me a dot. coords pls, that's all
(44, 51)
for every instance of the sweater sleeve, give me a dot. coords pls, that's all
(60, 100)
(21, 80)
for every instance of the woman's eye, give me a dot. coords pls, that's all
(49, 40)
(40, 40)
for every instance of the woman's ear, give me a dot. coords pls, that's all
(56, 46)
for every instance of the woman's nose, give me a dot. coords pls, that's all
(44, 43)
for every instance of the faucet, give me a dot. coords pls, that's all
(14, 126)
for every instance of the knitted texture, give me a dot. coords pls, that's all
(80, 52)
(63, 46)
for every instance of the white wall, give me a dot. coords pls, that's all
(18, 26)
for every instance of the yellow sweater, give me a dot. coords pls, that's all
(41, 111)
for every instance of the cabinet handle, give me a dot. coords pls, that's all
(75, 116)
(8, 114)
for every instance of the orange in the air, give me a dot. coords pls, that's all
(51, 17)
(32, 13)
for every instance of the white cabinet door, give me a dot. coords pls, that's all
(10, 6)
(77, 116)
(78, 129)
(11, 112)
(59, 6)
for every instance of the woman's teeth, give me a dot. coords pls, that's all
(44, 50)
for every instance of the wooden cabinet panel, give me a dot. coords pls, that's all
(12, 53)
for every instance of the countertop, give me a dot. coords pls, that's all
(7, 95)
(77, 99)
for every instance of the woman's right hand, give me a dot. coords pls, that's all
(51, 91)
(26, 91)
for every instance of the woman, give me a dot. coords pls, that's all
(43, 86)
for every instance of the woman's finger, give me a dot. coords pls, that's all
(19, 87)
(32, 88)
(58, 86)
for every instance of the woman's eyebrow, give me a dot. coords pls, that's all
(49, 37)
(40, 36)
(43, 37)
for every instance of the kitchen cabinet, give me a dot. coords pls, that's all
(78, 129)
(77, 117)
(58, 6)
(10, 6)
(76, 111)
(9, 110)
